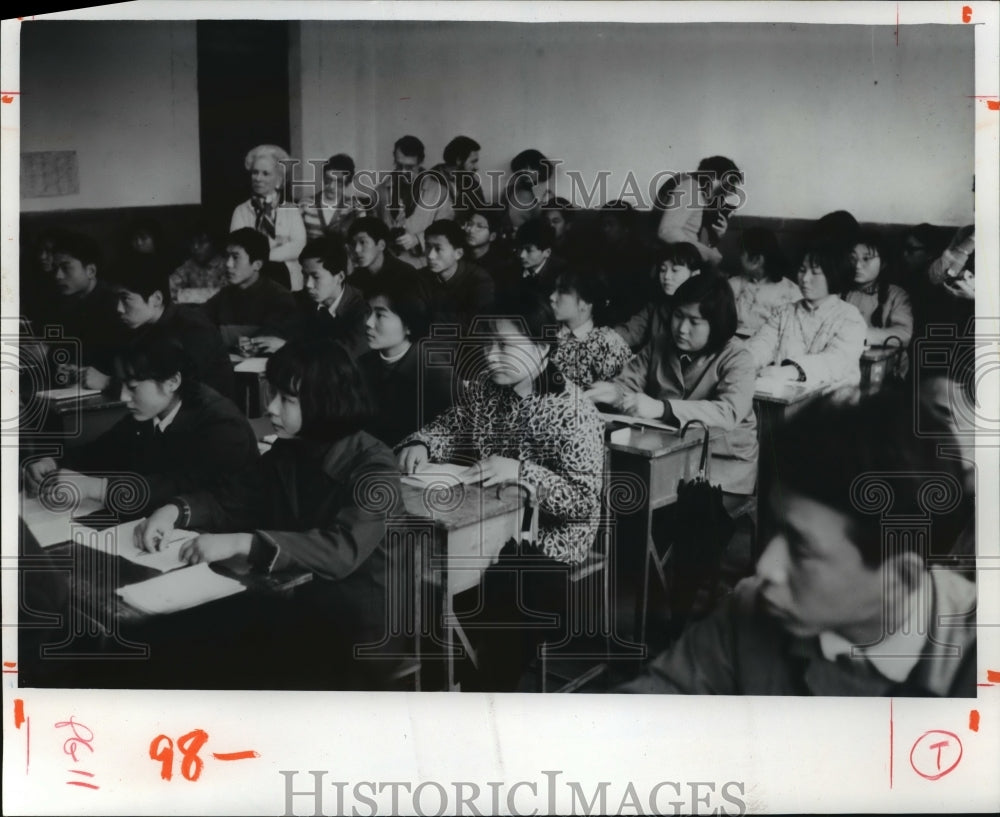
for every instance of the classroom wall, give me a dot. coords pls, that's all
(124, 96)
(819, 117)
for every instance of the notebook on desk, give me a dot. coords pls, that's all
(68, 393)
(442, 475)
(636, 421)
(179, 590)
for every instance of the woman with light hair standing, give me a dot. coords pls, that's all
(268, 212)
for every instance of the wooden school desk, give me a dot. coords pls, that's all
(647, 464)
(251, 384)
(71, 418)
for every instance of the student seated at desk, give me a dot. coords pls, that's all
(143, 287)
(327, 306)
(884, 306)
(249, 303)
(405, 391)
(585, 352)
(761, 288)
(534, 242)
(825, 581)
(306, 509)
(525, 423)
(818, 339)
(697, 370)
(180, 435)
(673, 265)
(485, 247)
(367, 239)
(458, 290)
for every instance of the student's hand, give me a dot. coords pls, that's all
(407, 241)
(267, 344)
(962, 287)
(153, 531)
(413, 458)
(779, 373)
(214, 547)
(84, 486)
(495, 470)
(68, 374)
(636, 404)
(720, 225)
(36, 471)
(93, 379)
(604, 392)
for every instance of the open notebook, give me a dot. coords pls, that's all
(51, 527)
(636, 421)
(179, 590)
(122, 539)
(442, 475)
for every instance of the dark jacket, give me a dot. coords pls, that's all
(205, 448)
(406, 395)
(467, 294)
(312, 321)
(260, 308)
(203, 342)
(362, 279)
(93, 321)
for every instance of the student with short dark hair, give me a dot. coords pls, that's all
(761, 288)
(328, 306)
(337, 204)
(673, 264)
(820, 338)
(367, 240)
(525, 424)
(697, 370)
(530, 171)
(407, 390)
(143, 290)
(249, 304)
(320, 502)
(884, 306)
(457, 289)
(180, 434)
(558, 213)
(832, 608)
(485, 247)
(587, 350)
(458, 170)
(539, 266)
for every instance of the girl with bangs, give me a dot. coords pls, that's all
(319, 503)
(884, 306)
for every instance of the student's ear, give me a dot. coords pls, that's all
(546, 253)
(173, 383)
(156, 299)
(91, 270)
(493, 236)
(256, 265)
(459, 251)
(342, 275)
(380, 244)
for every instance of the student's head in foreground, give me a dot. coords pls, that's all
(703, 318)
(76, 258)
(399, 314)
(579, 296)
(534, 242)
(834, 470)
(520, 335)
(675, 264)
(246, 252)
(156, 372)
(142, 284)
(367, 238)
(324, 269)
(761, 257)
(317, 392)
(825, 270)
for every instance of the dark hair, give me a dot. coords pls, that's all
(760, 242)
(331, 391)
(373, 227)
(409, 146)
(810, 458)
(719, 166)
(81, 247)
(329, 250)
(681, 253)
(532, 159)
(459, 149)
(711, 168)
(145, 225)
(405, 297)
(838, 230)
(590, 287)
(158, 354)
(536, 233)
(143, 275)
(340, 163)
(254, 244)
(493, 217)
(715, 300)
(564, 206)
(874, 242)
(449, 229)
(531, 310)
(835, 266)
(202, 229)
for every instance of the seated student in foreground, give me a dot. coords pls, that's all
(525, 424)
(143, 291)
(367, 239)
(673, 265)
(180, 435)
(406, 392)
(884, 306)
(308, 509)
(818, 339)
(458, 290)
(761, 288)
(585, 352)
(826, 583)
(249, 303)
(697, 370)
(327, 306)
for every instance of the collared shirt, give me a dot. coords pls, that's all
(161, 425)
(332, 308)
(386, 359)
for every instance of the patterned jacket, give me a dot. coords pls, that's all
(556, 434)
(587, 357)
